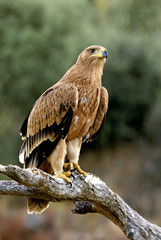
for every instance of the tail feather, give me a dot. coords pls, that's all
(39, 205)
(36, 205)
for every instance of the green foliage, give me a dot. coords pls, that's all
(40, 40)
(134, 82)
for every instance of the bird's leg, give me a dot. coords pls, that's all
(56, 159)
(64, 175)
(73, 151)
(72, 166)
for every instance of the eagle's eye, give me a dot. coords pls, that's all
(92, 50)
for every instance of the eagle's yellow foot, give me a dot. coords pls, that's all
(64, 175)
(72, 166)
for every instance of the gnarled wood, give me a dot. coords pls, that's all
(90, 194)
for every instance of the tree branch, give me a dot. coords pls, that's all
(89, 194)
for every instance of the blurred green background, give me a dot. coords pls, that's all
(40, 40)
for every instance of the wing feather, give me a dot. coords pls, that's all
(99, 120)
(49, 119)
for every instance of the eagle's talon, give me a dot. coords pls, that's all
(83, 177)
(72, 175)
(74, 169)
(71, 184)
(68, 167)
(72, 166)
(77, 168)
(64, 175)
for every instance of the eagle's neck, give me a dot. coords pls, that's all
(96, 69)
(89, 74)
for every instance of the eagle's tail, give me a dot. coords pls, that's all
(36, 205)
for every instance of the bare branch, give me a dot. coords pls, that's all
(89, 194)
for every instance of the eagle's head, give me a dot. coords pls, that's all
(93, 55)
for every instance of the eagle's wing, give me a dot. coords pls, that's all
(99, 120)
(48, 122)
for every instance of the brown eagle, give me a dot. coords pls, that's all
(67, 114)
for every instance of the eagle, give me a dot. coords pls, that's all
(67, 114)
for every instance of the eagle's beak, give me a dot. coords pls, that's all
(105, 54)
(102, 53)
